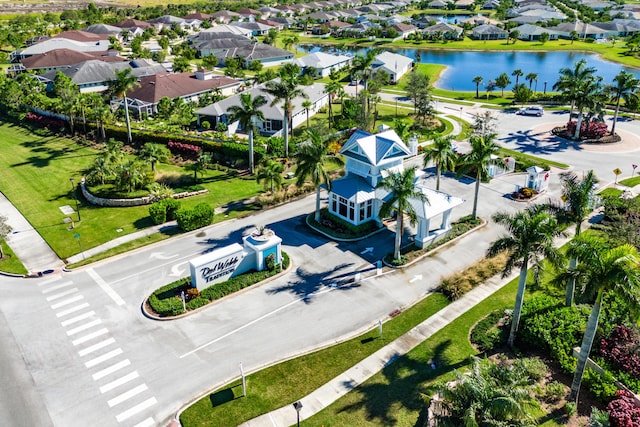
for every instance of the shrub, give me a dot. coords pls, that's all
(487, 334)
(620, 347)
(570, 408)
(622, 410)
(163, 210)
(270, 262)
(457, 285)
(603, 385)
(172, 206)
(555, 391)
(588, 130)
(190, 219)
(185, 150)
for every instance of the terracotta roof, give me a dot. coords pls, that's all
(133, 23)
(63, 57)
(153, 88)
(81, 36)
(197, 15)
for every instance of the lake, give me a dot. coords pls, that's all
(462, 67)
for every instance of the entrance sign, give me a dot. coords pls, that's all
(216, 266)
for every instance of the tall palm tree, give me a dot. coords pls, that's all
(602, 270)
(271, 174)
(200, 165)
(125, 81)
(570, 80)
(530, 77)
(478, 81)
(247, 113)
(517, 73)
(154, 153)
(362, 65)
(306, 104)
(441, 152)
(483, 150)
(401, 186)
(285, 89)
(625, 86)
(588, 95)
(577, 195)
(311, 160)
(531, 234)
(332, 88)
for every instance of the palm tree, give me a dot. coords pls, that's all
(441, 152)
(362, 65)
(332, 88)
(530, 77)
(625, 87)
(570, 80)
(577, 195)
(517, 73)
(306, 104)
(483, 154)
(125, 81)
(271, 174)
(154, 153)
(589, 94)
(401, 190)
(247, 113)
(602, 270)
(286, 90)
(200, 165)
(531, 234)
(478, 81)
(502, 81)
(311, 159)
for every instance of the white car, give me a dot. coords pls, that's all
(533, 110)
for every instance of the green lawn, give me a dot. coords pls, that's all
(10, 262)
(630, 182)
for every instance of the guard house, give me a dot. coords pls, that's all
(369, 159)
(537, 178)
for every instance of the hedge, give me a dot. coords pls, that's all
(190, 219)
(166, 301)
(164, 210)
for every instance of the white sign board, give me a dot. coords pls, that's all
(216, 266)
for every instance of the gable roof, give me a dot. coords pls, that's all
(103, 29)
(392, 61)
(257, 52)
(321, 60)
(97, 72)
(198, 15)
(443, 27)
(62, 57)
(174, 85)
(488, 29)
(167, 19)
(375, 149)
(133, 23)
(80, 36)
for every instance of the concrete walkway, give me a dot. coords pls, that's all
(34, 253)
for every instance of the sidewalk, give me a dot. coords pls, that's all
(34, 253)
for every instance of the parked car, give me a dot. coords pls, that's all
(532, 110)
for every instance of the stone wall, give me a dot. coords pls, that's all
(139, 201)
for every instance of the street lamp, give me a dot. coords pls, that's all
(75, 196)
(298, 406)
(545, 88)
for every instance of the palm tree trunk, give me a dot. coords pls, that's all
(84, 121)
(475, 197)
(438, 176)
(399, 225)
(286, 135)
(517, 309)
(477, 87)
(615, 117)
(126, 117)
(571, 283)
(585, 348)
(317, 217)
(251, 150)
(576, 134)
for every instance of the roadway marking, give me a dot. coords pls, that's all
(105, 287)
(84, 327)
(146, 423)
(246, 325)
(96, 347)
(127, 395)
(90, 336)
(51, 280)
(120, 381)
(56, 287)
(62, 294)
(139, 407)
(98, 360)
(72, 309)
(78, 318)
(111, 369)
(67, 302)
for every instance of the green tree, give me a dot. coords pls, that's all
(125, 81)
(589, 95)
(181, 65)
(401, 188)
(601, 270)
(478, 81)
(307, 105)
(522, 94)
(483, 149)
(531, 234)
(441, 152)
(129, 175)
(570, 80)
(311, 163)
(271, 174)
(502, 81)
(419, 89)
(513, 35)
(286, 90)
(332, 88)
(247, 113)
(210, 62)
(530, 78)
(625, 86)
(154, 153)
(517, 73)
(68, 92)
(200, 165)
(573, 35)
(544, 37)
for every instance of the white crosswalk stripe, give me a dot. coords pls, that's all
(111, 369)
(72, 310)
(90, 336)
(120, 381)
(103, 358)
(77, 318)
(146, 423)
(62, 294)
(127, 395)
(48, 281)
(84, 327)
(96, 347)
(67, 302)
(138, 408)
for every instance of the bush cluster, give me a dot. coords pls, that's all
(588, 130)
(44, 122)
(458, 284)
(164, 210)
(620, 348)
(166, 301)
(190, 219)
(185, 150)
(340, 228)
(489, 333)
(622, 410)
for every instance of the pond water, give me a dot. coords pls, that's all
(462, 67)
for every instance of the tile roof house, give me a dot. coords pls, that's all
(80, 41)
(133, 23)
(167, 21)
(257, 29)
(188, 86)
(530, 32)
(226, 16)
(488, 32)
(202, 17)
(321, 64)
(369, 159)
(584, 30)
(109, 30)
(404, 29)
(394, 64)
(63, 58)
(448, 31)
(274, 115)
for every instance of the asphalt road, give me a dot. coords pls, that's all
(83, 353)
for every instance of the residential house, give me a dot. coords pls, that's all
(394, 64)
(448, 31)
(481, 20)
(321, 64)
(264, 53)
(274, 114)
(129, 24)
(209, 43)
(199, 16)
(273, 24)
(229, 28)
(63, 58)
(257, 29)
(108, 30)
(226, 16)
(531, 33)
(465, 4)
(438, 4)
(370, 158)
(249, 14)
(188, 86)
(620, 27)
(584, 30)
(168, 21)
(80, 41)
(404, 30)
(286, 10)
(268, 11)
(488, 32)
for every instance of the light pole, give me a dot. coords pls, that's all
(298, 406)
(75, 196)
(545, 88)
